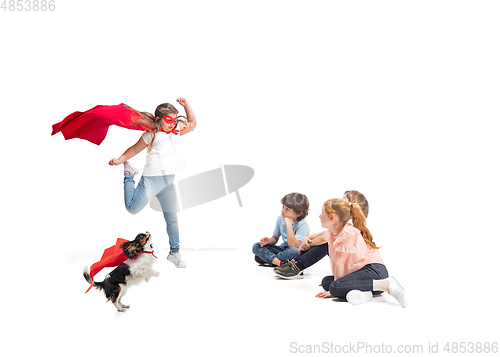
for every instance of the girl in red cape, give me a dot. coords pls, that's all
(163, 161)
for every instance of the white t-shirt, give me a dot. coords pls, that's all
(165, 157)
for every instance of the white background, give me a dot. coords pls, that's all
(396, 99)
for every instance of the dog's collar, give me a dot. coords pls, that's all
(151, 252)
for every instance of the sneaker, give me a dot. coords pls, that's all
(397, 291)
(284, 264)
(289, 271)
(176, 259)
(262, 262)
(128, 169)
(357, 297)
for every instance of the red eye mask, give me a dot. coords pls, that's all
(169, 120)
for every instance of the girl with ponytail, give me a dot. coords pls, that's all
(315, 247)
(163, 161)
(358, 269)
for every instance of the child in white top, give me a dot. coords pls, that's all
(163, 161)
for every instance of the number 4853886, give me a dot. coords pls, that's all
(28, 5)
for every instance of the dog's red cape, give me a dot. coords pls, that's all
(112, 257)
(93, 124)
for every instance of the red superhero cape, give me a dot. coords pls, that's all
(93, 124)
(112, 257)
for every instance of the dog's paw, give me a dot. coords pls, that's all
(120, 307)
(123, 305)
(156, 273)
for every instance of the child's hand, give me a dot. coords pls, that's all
(264, 241)
(289, 220)
(114, 162)
(306, 245)
(324, 295)
(182, 101)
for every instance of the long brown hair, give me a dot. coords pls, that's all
(153, 123)
(360, 199)
(345, 211)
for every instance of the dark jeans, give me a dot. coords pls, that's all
(312, 256)
(361, 279)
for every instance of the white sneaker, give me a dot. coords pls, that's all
(176, 259)
(396, 290)
(128, 169)
(357, 297)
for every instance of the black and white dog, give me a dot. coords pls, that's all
(133, 271)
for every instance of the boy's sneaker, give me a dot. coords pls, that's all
(128, 169)
(396, 290)
(289, 271)
(176, 259)
(262, 262)
(357, 297)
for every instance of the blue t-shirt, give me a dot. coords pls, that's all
(300, 229)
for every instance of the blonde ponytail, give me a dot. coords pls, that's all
(345, 211)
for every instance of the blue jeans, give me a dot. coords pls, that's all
(136, 198)
(269, 252)
(361, 279)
